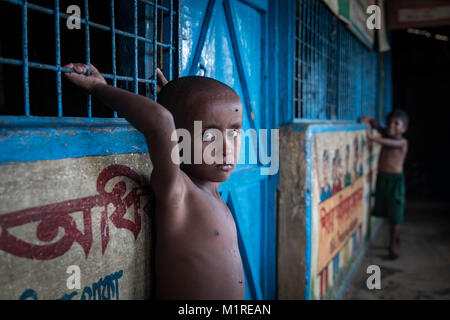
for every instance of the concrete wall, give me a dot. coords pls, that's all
(326, 181)
(92, 212)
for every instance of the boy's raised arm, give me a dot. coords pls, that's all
(146, 115)
(371, 121)
(393, 143)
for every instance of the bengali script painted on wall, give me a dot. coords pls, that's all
(340, 216)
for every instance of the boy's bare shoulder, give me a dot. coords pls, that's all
(170, 192)
(178, 193)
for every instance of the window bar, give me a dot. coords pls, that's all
(135, 75)
(341, 105)
(26, 88)
(171, 41)
(155, 47)
(306, 60)
(346, 83)
(320, 83)
(88, 52)
(312, 112)
(325, 74)
(320, 46)
(313, 62)
(161, 44)
(58, 60)
(44, 66)
(308, 74)
(304, 66)
(298, 75)
(113, 47)
(344, 45)
(321, 53)
(310, 82)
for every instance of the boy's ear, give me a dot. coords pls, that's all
(404, 128)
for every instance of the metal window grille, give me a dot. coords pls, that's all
(335, 74)
(387, 103)
(125, 39)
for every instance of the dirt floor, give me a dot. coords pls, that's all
(423, 269)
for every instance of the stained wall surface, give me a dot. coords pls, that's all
(91, 212)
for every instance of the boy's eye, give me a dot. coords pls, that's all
(208, 136)
(233, 133)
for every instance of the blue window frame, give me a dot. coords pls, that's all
(336, 76)
(127, 47)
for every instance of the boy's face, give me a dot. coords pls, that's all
(222, 112)
(395, 127)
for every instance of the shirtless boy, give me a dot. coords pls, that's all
(390, 186)
(196, 251)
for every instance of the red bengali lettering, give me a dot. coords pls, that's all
(52, 217)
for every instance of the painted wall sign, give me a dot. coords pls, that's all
(91, 212)
(340, 217)
(52, 217)
(343, 164)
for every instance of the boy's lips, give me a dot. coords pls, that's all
(224, 167)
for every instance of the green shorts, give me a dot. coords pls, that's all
(390, 196)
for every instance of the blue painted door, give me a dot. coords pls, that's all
(226, 40)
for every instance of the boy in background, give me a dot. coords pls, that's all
(390, 185)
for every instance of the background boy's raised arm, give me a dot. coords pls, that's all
(372, 122)
(393, 143)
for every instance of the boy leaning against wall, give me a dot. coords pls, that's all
(390, 185)
(196, 251)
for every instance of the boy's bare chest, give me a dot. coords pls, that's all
(392, 159)
(212, 214)
(393, 154)
(200, 216)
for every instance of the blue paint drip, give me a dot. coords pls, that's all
(58, 141)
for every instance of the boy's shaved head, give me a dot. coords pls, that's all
(218, 109)
(400, 114)
(182, 94)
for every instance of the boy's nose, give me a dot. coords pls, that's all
(228, 150)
